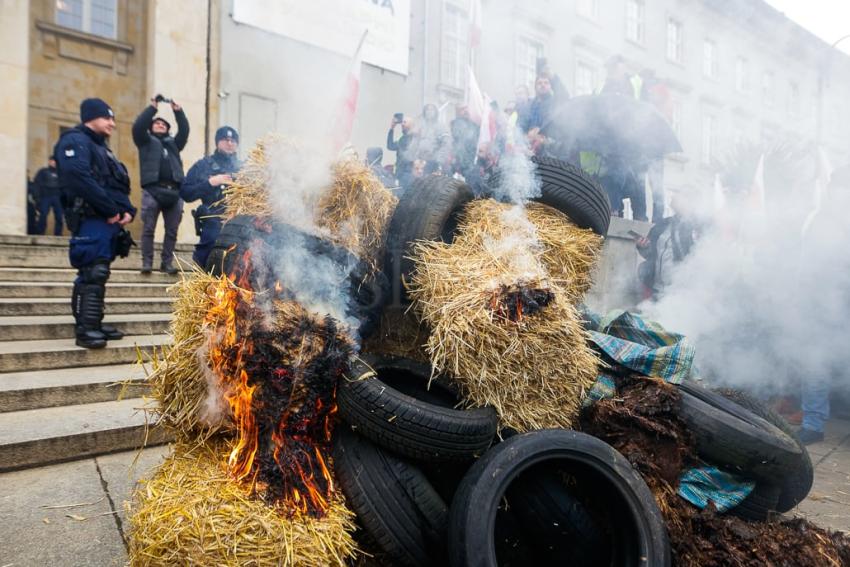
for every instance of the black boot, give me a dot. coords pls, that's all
(111, 333)
(88, 311)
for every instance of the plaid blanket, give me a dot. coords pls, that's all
(702, 485)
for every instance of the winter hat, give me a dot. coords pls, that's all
(161, 119)
(92, 108)
(226, 132)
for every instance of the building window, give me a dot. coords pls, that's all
(586, 78)
(709, 59)
(527, 52)
(675, 43)
(588, 8)
(768, 91)
(709, 134)
(455, 48)
(98, 17)
(794, 99)
(742, 75)
(635, 21)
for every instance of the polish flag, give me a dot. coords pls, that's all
(475, 24)
(344, 124)
(475, 99)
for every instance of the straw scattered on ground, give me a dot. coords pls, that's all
(532, 365)
(189, 400)
(356, 209)
(189, 512)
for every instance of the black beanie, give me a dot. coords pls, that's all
(226, 132)
(92, 108)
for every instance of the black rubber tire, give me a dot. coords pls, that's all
(636, 526)
(241, 233)
(405, 417)
(730, 436)
(760, 504)
(429, 210)
(570, 190)
(394, 502)
(795, 485)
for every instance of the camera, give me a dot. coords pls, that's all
(160, 98)
(398, 117)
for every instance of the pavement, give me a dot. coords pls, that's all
(72, 514)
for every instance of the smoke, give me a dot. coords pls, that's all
(763, 301)
(215, 410)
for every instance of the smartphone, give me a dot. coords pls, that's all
(398, 117)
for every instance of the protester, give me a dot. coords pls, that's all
(374, 159)
(656, 93)
(161, 172)
(539, 116)
(206, 181)
(434, 140)
(406, 148)
(522, 103)
(100, 187)
(617, 79)
(668, 243)
(49, 191)
(559, 91)
(464, 141)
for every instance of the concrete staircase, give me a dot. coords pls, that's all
(58, 401)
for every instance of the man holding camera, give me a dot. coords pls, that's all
(206, 181)
(99, 188)
(161, 172)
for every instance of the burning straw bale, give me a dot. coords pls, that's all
(642, 423)
(190, 511)
(499, 323)
(249, 192)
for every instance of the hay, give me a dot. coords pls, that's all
(182, 383)
(190, 512)
(248, 194)
(534, 369)
(355, 210)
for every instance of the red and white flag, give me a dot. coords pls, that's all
(344, 124)
(475, 99)
(475, 24)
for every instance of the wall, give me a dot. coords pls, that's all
(14, 68)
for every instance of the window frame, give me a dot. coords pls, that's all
(708, 140)
(742, 74)
(459, 38)
(638, 22)
(679, 46)
(593, 14)
(522, 69)
(86, 19)
(710, 66)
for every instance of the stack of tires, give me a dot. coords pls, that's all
(433, 485)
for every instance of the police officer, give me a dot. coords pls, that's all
(205, 181)
(99, 187)
(49, 197)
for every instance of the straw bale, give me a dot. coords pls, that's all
(190, 512)
(248, 194)
(356, 209)
(186, 390)
(534, 370)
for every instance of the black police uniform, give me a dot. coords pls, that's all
(49, 197)
(99, 186)
(207, 215)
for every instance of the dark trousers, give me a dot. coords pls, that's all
(44, 207)
(209, 233)
(150, 214)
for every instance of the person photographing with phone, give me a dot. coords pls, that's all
(161, 172)
(406, 148)
(206, 182)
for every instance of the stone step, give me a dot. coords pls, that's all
(33, 275)
(28, 256)
(62, 326)
(43, 436)
(71, 386)
(37, 240)
(17, 307)
(64, 289)
(22, 356)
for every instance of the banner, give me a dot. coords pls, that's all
(337, 25)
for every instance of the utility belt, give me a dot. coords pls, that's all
(202, 215)
(77, 213)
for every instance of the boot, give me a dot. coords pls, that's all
(169, 269)
(88, 311)
(111, 333)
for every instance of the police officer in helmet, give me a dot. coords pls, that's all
(99, 188)
(206, 181)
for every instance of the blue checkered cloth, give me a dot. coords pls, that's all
(702, 485)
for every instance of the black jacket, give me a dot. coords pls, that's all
(47, 182)
(153, 149)
(197, 183)
(88, 169)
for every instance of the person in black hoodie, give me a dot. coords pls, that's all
(206, 181)
(99, 187)
(49, 192)
(161, 172)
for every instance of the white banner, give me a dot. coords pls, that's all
(337, 25)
